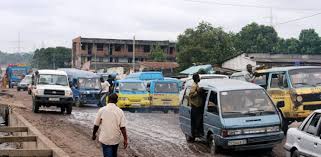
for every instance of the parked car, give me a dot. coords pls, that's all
(237, 116)
(24, 83)
(51, 88)
(306, 139)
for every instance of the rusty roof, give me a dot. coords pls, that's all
(160, 65)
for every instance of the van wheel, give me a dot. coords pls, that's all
(69, 108)
(35, 107)
(213, 147)
(295, 153)
(189, 139)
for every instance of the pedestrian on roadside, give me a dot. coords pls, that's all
(105, 88)
(112, 121)
(196, 103)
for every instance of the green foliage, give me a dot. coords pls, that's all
(256, 38)
(157, 54)
(15, 58)
(310, 41)
(52, 58)
(204, 44)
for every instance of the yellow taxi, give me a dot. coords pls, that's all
(296, 90)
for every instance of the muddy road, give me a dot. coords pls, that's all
(150, 134)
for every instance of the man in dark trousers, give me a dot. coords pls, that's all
(196, 103)
(112, 121)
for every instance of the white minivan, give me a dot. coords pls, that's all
(51, 88)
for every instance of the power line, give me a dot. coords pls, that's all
(251, 6)
(297, 19)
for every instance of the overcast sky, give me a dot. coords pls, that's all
(44, 23)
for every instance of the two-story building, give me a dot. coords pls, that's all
(116, 52)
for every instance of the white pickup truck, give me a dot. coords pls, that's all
(51, 88)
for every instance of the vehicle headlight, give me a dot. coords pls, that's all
(39, 92)
(299, 98)
(68, 93)
(123, 98)
(273, 129)
(233, 132)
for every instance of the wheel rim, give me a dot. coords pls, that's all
(213, 146)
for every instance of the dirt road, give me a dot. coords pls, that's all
(150, 134)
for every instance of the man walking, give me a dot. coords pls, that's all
(196, 103)
(112, 121)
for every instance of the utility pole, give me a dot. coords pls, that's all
(271, 17)
(95, 51)
(134, 54)
(19, 41)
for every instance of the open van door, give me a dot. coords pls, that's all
(185, 114)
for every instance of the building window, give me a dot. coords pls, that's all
(171, 50)
(111, 59)
(117, 47)
(100, 59)
(83, 46)
(100, 47)
(130, 60)
(146, 48)
(116, 60)
(130, 48)
(110, 50)
(142, 59)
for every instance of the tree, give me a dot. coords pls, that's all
(52, 58)
(256, 38)
(157, 54)
(310, 42)
(204, 44)
(291, 45)
(14, 58)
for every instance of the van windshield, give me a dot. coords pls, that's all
(244, 103)
(132, 87)
(47, 79)
(168, 87)
(89, 83)
(305, 77)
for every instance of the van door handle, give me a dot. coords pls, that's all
(299, 138)
(315, 144)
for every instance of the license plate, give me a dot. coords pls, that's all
(136, 105)
(236, 142)
(54, 99)
(166, 104)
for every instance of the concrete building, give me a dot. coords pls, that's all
(240, 61)
(110, 52)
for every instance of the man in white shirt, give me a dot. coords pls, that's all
(112, 121)
(105, 86)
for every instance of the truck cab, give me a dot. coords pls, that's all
(51, 88)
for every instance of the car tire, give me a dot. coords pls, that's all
(35, 107)
(212, 145)
(189, 139)
(295, 153)
(69, 108)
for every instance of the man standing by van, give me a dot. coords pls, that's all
(196, 103)
(112, 121)
(249, 75)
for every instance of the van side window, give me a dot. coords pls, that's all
(212, 103)
(261, 80)
(278, 81)
(186, 95)
(312, 125)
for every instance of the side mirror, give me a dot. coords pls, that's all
(280, 104)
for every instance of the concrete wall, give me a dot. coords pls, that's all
(238, 63)
(42, 142)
